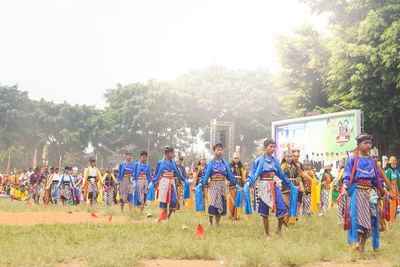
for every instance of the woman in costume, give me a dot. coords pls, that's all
(218, 171)
(67, 185)
(394, 178)
(141, 179)
(240, 175)
(197, 180)
(165, 173)
(267, 169)
(110, 183)
(362, 184)
(92, 181)
(326, 180)
(291, 171)
(310, 191)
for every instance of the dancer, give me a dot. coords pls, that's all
(240, 175)
(124, 179)
(218, 171)
(92, 181)
(271, 176)
(67, 185)
(141, 178)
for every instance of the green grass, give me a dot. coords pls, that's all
(237, 243)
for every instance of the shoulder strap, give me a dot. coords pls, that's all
(353, 171)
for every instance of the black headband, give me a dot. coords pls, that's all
(364, 138)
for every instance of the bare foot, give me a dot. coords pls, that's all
(278, 232)
(268, 237)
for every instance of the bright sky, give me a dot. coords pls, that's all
(74, 50)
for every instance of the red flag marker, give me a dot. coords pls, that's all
(69, 212)
(163, 216)
(93, 215)
(12, 199)
(199, 231)
(27, 201)
(30, 204)
(47, 202)
(110, 218)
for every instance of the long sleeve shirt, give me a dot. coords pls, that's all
(93, 172)
(144, 170)
(66, 178)
(218, 168)
(268, 165)
(364, 170)
(125, 168)
(169, 167)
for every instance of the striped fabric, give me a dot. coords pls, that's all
(325, 199)
(66, 192)
(216, 192)
(108, 197)
(306, 206)
(365, 210)
(93, 192)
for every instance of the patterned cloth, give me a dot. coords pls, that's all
(325, 199)
(66, 192)
(142, 186)
(108, 197)
(342, 202)
(93, 192)
(53, 198)
(126, 188)
(286, 199)
(265, 193)
(365, 210)
(217, 193)
(306, 207)
(163, 188)
(36, 192)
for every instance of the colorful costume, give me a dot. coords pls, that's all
(394, 179)
(218, 173)
(240, 175)
(141, 177)
(36, 189)
(270, 175)
(326, 180)
(108, 195)
(51, 186)
(124, 179)
(290, 171)
(362, 180)
(92, 181)
(197, 181)
(165, 174)
(67, 185)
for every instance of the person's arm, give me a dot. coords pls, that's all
(148, 175)
(251, 178)
(282, 175)
(347, 172)
(231, 177)
(204, 179)
(120, 171)
(156, 176)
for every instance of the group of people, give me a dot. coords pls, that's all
(367, 196)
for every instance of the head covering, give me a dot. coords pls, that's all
(392, 160)
(128, 153)
(363, 137)
(296, 152)
(328, 167)
(287, 153)
(236, 154)
(342, 162)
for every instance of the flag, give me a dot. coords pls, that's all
(8, 164)
(199, 231)
(93, 215)
(59, 164)
(27, 201)
(69, 212)
(163, 216)
(34, 161)
(47, 202)
(12, 199)
(110, 217)
(44, 154)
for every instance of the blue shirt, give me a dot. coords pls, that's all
(169, 167)
(124, 168)
(218, 167)
(144, 169)
(364, 169)
(268, 166)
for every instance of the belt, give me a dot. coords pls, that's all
(218, 179)
(266, 179)
(142, 177)
(90, 177)
(364, 182)
(292, 179)
(168, 177)
(268, 175)
(128, 175)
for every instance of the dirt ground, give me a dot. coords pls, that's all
(181, 263)
(32, 218)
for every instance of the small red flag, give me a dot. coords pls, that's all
(110, 217)
(93, 215)
(69, 212)
(30, 204)
(12, 199)
(47, 202)
(199, 231)
(27, 201)
(163, 216)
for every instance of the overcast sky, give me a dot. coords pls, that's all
(75, 50)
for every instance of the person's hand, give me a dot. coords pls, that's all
(344, 192)
(392, 197)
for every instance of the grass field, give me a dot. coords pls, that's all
(237, 243)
